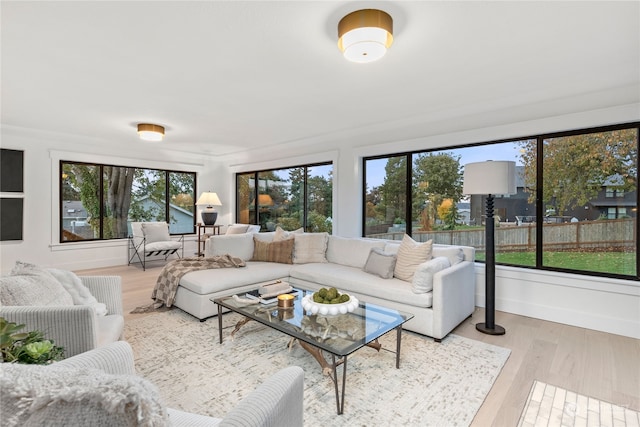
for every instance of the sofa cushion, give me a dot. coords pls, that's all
(455, 254)
(276, 251)
(410, 255)
(155, 232)
(267, 236)
(204, 282)
(109, 328)
(310, 247)
(351, 251)
(236, 245)
(355, 280)
(423, 278)
(237, 229)
(281, 234)
(34, 395)
(380, 263)
(32, 287)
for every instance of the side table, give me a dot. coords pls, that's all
(202, 232)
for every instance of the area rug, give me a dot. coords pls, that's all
(551, 406)
(438, 384)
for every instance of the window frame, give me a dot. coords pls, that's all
(256, 188)
(539, 205)
(101, 166)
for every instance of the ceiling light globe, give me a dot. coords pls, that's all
(365, 44)
(150, 136)
(365, 35)
(150, 132)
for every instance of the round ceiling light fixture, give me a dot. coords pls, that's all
(365, 35)
(150, 132)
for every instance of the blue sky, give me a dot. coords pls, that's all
(504, 151)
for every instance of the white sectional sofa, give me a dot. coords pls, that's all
(440, 294)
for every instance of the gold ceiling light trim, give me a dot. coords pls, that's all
(150, 132)
(365, 35)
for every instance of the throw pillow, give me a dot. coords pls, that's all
(56, 395)
(410, 255)
(281, 251)
(32, 287)
(380, 263)
(156, 232)
(237, 229)
(78, 291)
(236, 245)
(423, 278)
(310, 247)
(71, 283)
(281, 234)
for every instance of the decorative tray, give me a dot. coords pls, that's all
(329, 309)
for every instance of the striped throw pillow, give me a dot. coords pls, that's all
(410, 255)
(281, 251)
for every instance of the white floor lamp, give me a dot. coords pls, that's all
(490, 178)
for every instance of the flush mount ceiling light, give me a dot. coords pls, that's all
(149, 132)
(365, 35)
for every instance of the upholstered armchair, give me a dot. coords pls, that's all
(77, 328)
(151, 240)
(100, 388)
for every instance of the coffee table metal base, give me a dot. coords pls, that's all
(328, 369)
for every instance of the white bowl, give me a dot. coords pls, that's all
(329, 309)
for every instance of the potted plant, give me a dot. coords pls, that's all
(26, 347)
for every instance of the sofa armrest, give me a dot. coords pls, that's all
(453, 297)
(276, 402)
(115, 358)
(73, 327)
(107, 290)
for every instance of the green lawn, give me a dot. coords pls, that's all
(603, 262)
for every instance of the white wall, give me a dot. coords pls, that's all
(603, 304)
(608, 305)
(42, 153)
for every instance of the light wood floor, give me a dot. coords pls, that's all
(588, 362)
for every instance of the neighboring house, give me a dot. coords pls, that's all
(75, 221)
(611, 203)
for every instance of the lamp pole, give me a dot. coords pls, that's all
(489, 326)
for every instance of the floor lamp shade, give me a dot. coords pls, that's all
(490, 178)
(209, 214)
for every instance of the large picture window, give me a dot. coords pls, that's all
(98, 202)
(575, 209)
(291, 198)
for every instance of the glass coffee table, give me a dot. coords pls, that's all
(335, 336)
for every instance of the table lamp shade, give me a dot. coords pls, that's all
(490, 177)
(208, 199)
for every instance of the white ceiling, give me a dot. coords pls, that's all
(230, 76)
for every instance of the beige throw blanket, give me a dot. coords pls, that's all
(164, 292)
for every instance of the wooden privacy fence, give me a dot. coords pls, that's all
(612, 235)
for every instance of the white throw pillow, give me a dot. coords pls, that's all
(410, 255)
(59, 395)
(310, 247)
(78, 291)
(155, 232)
(380, 263)
(281, 234)
(423, 278)
(30, 287)
(236, 245)
(237, 229)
